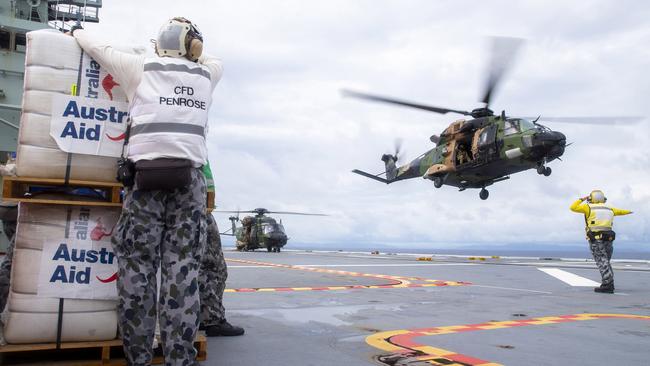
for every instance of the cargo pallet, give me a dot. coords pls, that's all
(99, 353)
(22, 189)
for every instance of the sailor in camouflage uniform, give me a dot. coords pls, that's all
(212, 279)
(8, 215)
(9, 218)
(161, 222)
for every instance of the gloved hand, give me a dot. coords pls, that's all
(76, 26)
(8, 170)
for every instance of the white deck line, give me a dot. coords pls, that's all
(569, 278)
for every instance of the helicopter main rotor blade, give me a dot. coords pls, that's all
(377, 98)
(504, 50)
(295, 213)
(237, 212)
(612, 120)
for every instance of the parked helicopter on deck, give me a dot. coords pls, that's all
(260, 230)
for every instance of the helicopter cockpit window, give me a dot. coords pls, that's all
(526, 125)
(483, 137)
(510, 127)
(271, 228)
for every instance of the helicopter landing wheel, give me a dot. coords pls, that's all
(277, 249)
(484, 194)
(268, 249)
(437, 182)
(547, 171)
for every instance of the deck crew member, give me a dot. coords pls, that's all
(599, 220)
(8, 216)
(212, 278)
(163, 211)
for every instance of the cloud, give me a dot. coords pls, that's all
(283, 138)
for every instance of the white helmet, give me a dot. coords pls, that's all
(597, 196)
(178, 37)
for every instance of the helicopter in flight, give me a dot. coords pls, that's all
(483, 148)
(259, 231)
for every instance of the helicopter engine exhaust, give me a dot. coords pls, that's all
(391, 167)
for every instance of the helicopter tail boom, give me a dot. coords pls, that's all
(371, 176)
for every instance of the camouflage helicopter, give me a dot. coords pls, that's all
(484, 148)
(260, 231)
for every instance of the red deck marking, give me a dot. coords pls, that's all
(466, 359)
(400, 342)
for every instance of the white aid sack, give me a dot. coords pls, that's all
(25, 303)
(25, 271)
(43, 162)
(76, 327)
(33, 319)
(57, 70)
(41, 223)
(31, 131)
(63, 252)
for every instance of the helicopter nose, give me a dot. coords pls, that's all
(556, 144)
(548, 144)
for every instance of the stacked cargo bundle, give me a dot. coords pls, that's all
(69, 102)
(63, 282)
(63, 275)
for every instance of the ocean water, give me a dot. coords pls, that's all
(642, 253)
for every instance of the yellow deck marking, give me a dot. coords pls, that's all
(401, 341)
(395, 281)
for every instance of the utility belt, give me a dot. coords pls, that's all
(153, 175)
(608, 235)
(157, 174)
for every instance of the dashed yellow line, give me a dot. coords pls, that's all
(393, 281)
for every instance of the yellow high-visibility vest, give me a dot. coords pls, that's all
(599, 218)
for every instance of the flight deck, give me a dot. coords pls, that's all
(346, 308)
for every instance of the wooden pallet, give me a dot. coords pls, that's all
(20, 189)
(101, 353)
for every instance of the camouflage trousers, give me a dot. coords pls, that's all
(602, 251)
(212, 276)
(5, 273)
(160, 229)
(9, 228)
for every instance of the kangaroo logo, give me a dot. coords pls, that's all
(108, 84)
(109, 279)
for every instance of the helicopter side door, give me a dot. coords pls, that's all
(484, 144)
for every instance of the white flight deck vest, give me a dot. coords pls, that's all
(169, 111)
(600, 218)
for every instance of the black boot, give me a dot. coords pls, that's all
(223, 329)
(606, 289)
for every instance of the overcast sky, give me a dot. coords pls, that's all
(281, 136)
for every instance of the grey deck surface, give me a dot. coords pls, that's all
(329, 327)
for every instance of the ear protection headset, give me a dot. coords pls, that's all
(178, 37)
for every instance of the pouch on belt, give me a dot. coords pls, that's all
(163, 174)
